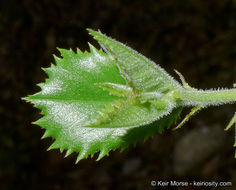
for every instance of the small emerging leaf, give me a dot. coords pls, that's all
(143, 73)
(233, 121)
(192, 112)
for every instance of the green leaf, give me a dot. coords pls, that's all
(88, 105)
(144, 75)
(97, 102)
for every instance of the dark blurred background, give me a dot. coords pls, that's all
(196, 37)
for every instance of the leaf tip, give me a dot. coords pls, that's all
(92, 48)
(46, 135)
(63, 52)
(53, 146)
(94, 33)
(102, 154)
(68, 152)
(25, 98)
(56, 58)
(61, 149)
(80, 156)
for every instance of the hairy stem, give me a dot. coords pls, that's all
(208, 97)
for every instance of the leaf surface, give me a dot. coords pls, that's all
(88, 105)
(144, 74)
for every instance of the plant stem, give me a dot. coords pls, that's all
(208, 97)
